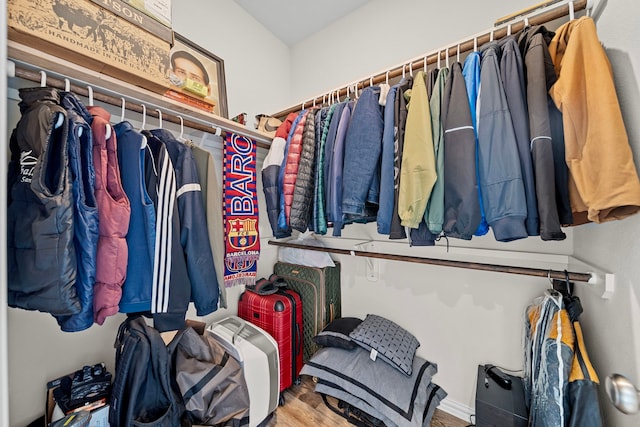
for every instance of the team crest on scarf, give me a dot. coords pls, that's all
(241, 238)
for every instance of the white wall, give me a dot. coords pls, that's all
(464, 318)
(257, 76)
(383, 34)
(256, 62)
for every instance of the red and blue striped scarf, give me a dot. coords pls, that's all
(241, 239)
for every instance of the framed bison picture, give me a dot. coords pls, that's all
(197, 77)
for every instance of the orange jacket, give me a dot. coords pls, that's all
(603, 182)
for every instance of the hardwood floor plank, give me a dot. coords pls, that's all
(304, 407)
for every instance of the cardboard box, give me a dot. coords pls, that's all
(160, 10)
(84, 33)
(99, 409)
(136, 17)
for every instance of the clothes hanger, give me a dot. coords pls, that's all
(403, 65)
(386, 79)
(410, 69)
(43, 79)
(491, 36)
(572, 14)
(508, 30)
(447, 58)
(458, 54)
(424, 64)
(439, 54)
(144, 117)
(159, 117)
(181, 136)
(371, 81)
(122, 109)
(475, 44)
(107, 128)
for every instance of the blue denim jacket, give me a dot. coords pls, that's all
(387, 192)
(363, 146)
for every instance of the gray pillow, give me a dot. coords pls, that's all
(392, 343)
(336, 333)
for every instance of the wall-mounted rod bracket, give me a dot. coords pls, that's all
(607, 280)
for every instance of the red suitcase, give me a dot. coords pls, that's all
(280, 314)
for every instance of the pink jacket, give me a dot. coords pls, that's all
(114, 211)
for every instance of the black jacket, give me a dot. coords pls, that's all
(41, 253)
(303, 193)
(461, 202)
(546, 133)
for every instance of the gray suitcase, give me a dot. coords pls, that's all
(257, 352)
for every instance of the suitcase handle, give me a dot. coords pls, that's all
(240, 323)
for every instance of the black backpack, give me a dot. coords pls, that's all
(142, 392)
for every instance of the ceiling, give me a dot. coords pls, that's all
(293, 20)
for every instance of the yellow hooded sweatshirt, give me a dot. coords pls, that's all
(603, 181)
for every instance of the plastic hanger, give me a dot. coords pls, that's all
(572, 14)
(424, 64)
(43, 79)
(181, 136)
(458, 54)
(439, 54)
(475, 44)
(447, 58)
(159, 117)
(491, 36)
(67, 85)
(411, 69)
(371, 81)
(386, 78)
(122, 109)
(403, 65)
(144, 117)
(90, 95)
(508, 30)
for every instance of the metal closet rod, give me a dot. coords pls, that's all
(523, 271)
(540, 17)
(57, 83)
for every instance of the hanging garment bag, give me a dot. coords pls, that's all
(319, 289)
(280, 314)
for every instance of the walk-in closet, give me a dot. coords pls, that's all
(462, 297)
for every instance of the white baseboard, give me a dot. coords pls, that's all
(456, 409)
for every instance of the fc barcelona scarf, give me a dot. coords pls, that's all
(241, 240)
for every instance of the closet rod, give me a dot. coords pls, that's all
(172, 117)
(536, 17)
(524, 271)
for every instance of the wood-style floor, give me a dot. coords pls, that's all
(304, 407)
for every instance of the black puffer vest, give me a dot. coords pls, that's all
(41, 254)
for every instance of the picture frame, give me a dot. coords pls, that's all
(197, 77)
